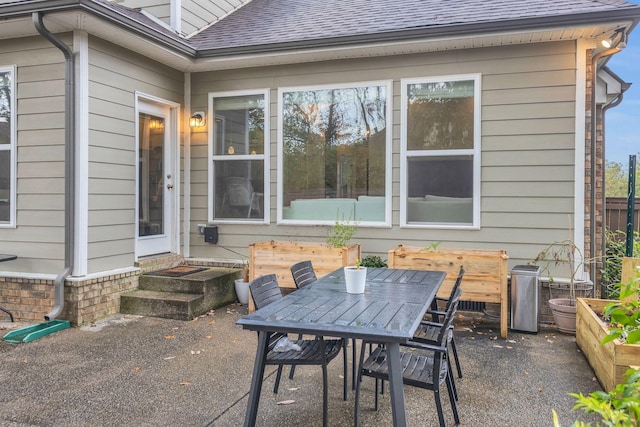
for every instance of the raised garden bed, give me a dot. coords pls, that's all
(485, 278)
(277, 257)
(609, 361)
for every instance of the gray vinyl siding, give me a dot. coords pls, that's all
(115, 74)
(528, 138)
(161, 9)
(38, 238)
(197, 14)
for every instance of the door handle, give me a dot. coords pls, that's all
(169, 186)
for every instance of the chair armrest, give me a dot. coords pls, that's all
(424, 346)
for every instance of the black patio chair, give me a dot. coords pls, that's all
(427, 332)
(423, 365)
(319, 351)
(303, 274)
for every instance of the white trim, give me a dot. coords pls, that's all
(13, 148)
(388, 187)
(81, 245)
(263, 157)
(186, 192)
(175, 18)
(579, 161)
(476, 151)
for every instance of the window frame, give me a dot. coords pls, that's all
(388, 85)
(406, 154)
(211, 117)
(11, 147)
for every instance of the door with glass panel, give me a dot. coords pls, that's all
(156, 195)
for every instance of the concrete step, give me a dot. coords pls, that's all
(170, 305)
(184, 297)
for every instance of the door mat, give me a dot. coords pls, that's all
(177, 271)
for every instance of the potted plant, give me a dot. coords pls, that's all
(559, 254)
(355, 278)
(242, 284)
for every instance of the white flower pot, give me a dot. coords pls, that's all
(355, 279)
(242, 291)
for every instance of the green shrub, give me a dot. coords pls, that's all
(615, 251)
(618, 408)
(373, 261)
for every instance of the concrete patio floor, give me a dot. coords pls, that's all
(143, 371)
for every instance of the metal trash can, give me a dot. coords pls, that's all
(525, 296)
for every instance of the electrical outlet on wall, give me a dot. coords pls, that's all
(201, 229)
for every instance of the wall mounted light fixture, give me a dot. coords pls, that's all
(197, 119)
(617, 40)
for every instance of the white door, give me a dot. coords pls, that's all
(156, 179)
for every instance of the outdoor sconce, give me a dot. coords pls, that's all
(622, 41)
(197, 119)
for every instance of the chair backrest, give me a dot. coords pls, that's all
(455, 288)
(265, 290)
(238, 191)
(303, 274)
(447, 323)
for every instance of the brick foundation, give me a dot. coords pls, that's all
(84, 300)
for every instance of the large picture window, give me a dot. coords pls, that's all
(441, 151)
(7, 146)
(238, 148)
(334, 154)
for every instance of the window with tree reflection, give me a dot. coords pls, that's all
(441, 140)
(334, 146)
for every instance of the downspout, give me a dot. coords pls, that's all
(592, 171)
(69, 174)
(612, 104)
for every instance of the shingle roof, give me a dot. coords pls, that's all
(270, 22)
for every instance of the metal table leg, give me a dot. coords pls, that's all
(256, 380)
(395, 383)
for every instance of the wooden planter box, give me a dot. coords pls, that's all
(485, 278)
(609, 361)
(277, 257)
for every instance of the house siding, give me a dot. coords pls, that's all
(528, 147)
(38, 237)
(197, 14)
(115, 75)
(161, 9)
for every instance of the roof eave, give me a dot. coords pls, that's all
(96, 9)
(458, 30)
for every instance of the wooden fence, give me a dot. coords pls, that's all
(616, 214)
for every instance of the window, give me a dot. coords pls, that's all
(238, 148)
(334, 154)
(440, 152)
(7, 146)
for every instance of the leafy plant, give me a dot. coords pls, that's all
(432, 247)
(341, 233)
(563, 252)
(373, 261)
(624, 315)
(615, 249)
(618, 408)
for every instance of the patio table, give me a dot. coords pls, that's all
(5, 257)
(389, 312)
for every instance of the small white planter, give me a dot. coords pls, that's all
(355, 279)
(242, 291)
